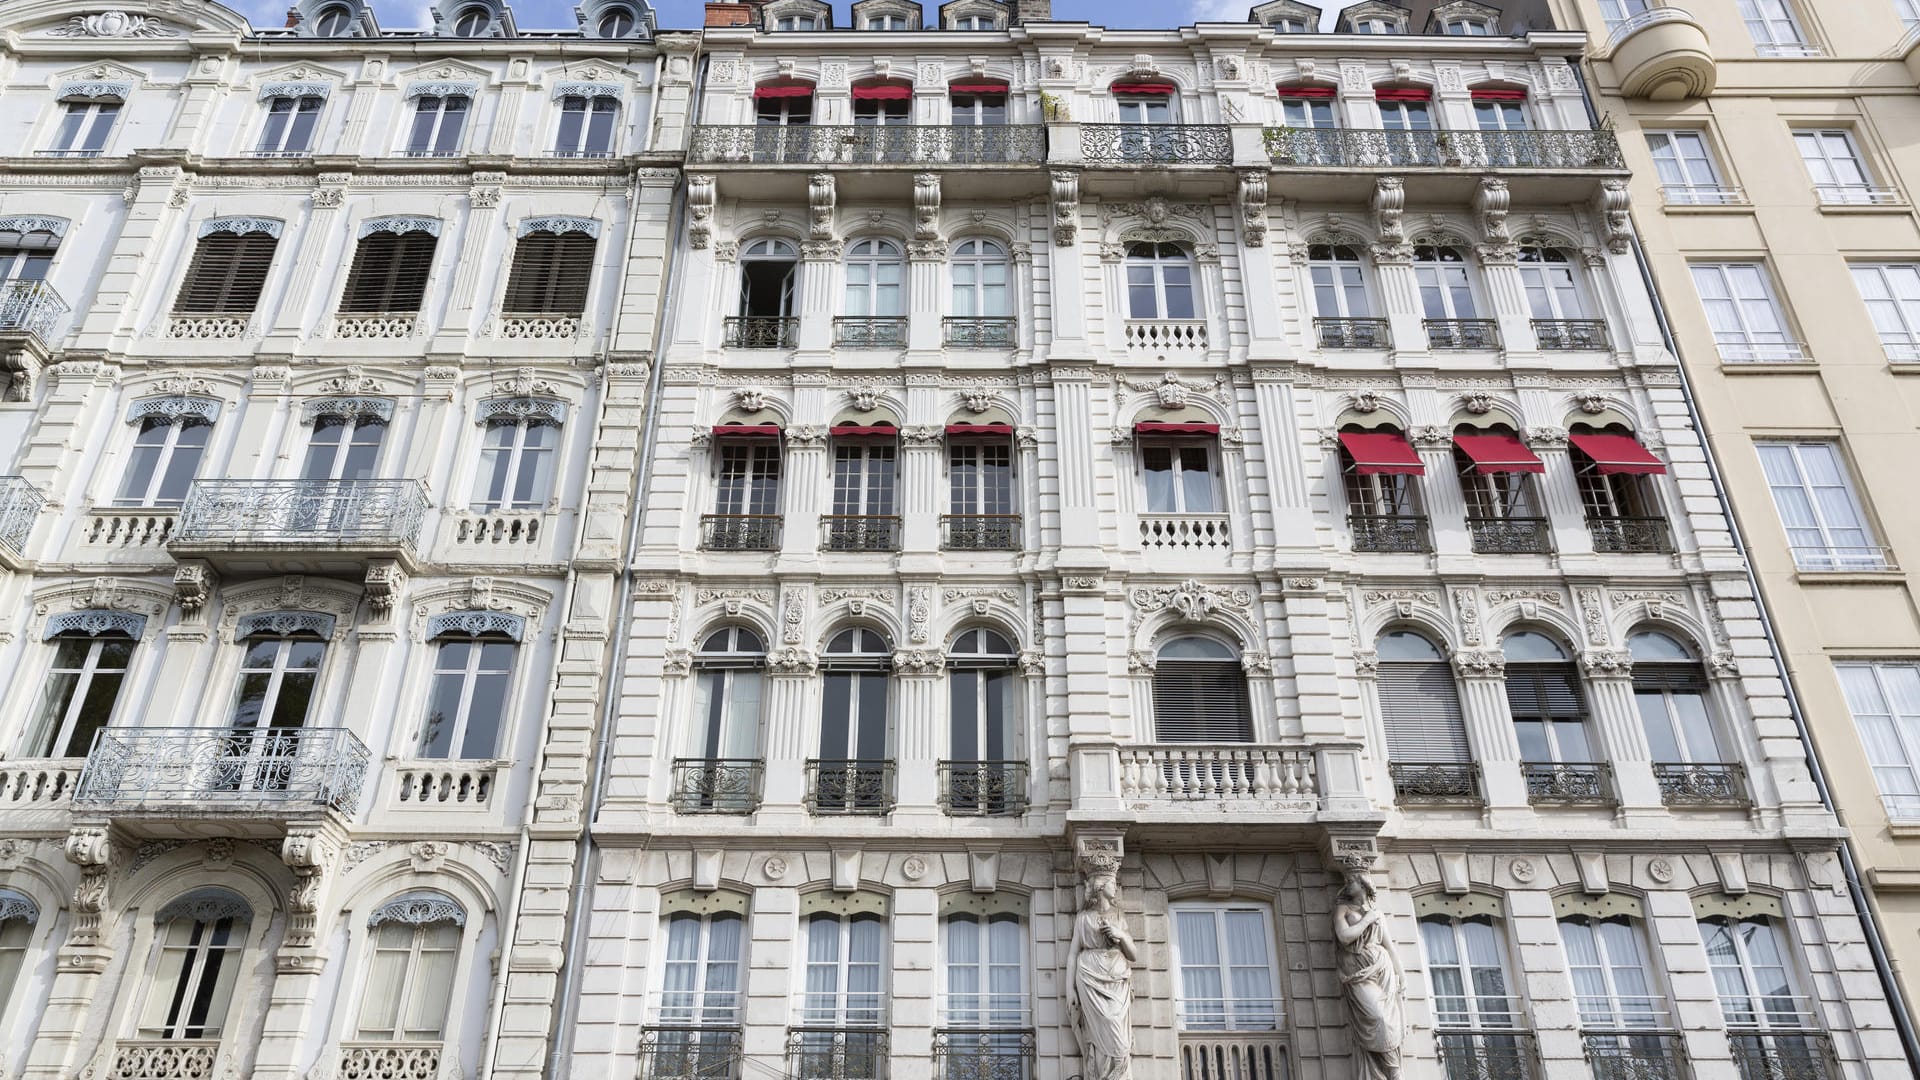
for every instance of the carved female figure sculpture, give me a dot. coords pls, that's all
(1100, 959)
(1375, 988)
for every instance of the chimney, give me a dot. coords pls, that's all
(293, 17)
(732, 14)
(1032, 11)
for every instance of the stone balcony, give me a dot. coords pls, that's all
(1205, 792)
(1662, 54)
(300, 526)
(236, 781)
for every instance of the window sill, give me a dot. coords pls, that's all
(1869, 209)
(1889, 575)
(1769, 367)
(1708, 209)
(1904, 829)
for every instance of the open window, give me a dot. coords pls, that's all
(721, 770)
(769, 270)
(1615, 475)
(1496, 469)
(1379, 470)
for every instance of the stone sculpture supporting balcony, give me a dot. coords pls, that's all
(1662, 54)
(300, 526)
(246, 779)
(865, 146)
(20, 504)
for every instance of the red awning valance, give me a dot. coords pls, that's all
(1402, 93)
(979, 429)
(1496, 452)
(1149, 427)
(747, 431)
(847, 431)
(976, 88)
(1613, 454)
(782, 91)
(882, 91)
(1381, 452)
(1307, 91)
(1151, 89)
(1492, 93)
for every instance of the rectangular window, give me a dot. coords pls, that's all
(749, 478)
(1884, 699)
(166, 456)
(844, 967)
(1687, 171)
(516, 466)
(409, 981)
(1180, 478)
(1823, 518)
(289, 128)
(26, 256)
(986, 972)
(437, 124)
(702, 971)
(1747, 321)
(389, 273)
(83, 130)
(15, 933)
(227, 274)
(586, 126)
(468, 709)
(1838, 171)
(1307, 112)
(1892, 295)
(550, 274)
(1774, 29)
(1549, 713)
(1226, 976)
(1616, 12)
(1612, 983)
(82, 688)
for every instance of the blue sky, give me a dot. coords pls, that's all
(686, 14)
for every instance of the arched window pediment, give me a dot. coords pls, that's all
(420, 908)
(208, 904)
(477, 624)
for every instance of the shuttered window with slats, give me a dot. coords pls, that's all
(550, 274)
(1420, 708)
(1545, 692)
(389, 273)
(226, 275)
(1201, 701)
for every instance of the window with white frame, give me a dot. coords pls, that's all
(1884, 699)
(472, 22)
(983, 107)
(1688, 173)
(1544, 696)
(467, 705)
(1774, 29)
(749, 481)
(1612, 980)
(438, 121)
(1825, 523)
(1751, 972)
(1144, 109)
(1891, 292)
(1419, 701)
(1374, 493)
(1547, 274)
(1159, 282)
(1224, 956)
(289, 127)
(586, 126)
(1199, 695)
(1500, 113)
(343, 447)
(1290, 24)
(1446, 286)
(82, 688)
(983, 744)
(516, 464)
(84, 128)
(974, 22)
(845, 963)
(980, 493)
(1307, 111)
(1838, 170)
(413, 951)
(1181, 476)
(887, 22)
(333, 21)
(864, 515)
(1747, 321)
(1467, 969)
(1616, 12)
(985, 958)
(1405, 113)
(17, 918)
(166, 456)
(874, 275)
(1468, 27)
(279, 678)
(1670, 690)
(616, 22)
(1374, 25)
(701, 983)
(796, 22)
(26, 256)
(1496, 493)
(190, 987)
(729, 687)
(1339, 282)
(980, 276)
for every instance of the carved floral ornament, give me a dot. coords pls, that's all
(240, 226)
(1194, 601)
(398, 223)
(475, 623)
(285, 623)
(173, 407)
(375, 408)
(205, 905)
(113, 23)
(442, 89)
(533, 410)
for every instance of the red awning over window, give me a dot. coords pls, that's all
(1402, 93)
(1151, 89)
(977, 88)
(1148, 427)
(979, 429)
(1613, 454)
(882, 91)
(1307, 91)
(782, 91)
(747, 431)
(1494, 93)
(850, 430)
(1496, 452)
(1381, 452)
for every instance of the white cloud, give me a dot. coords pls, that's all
(1219, 10)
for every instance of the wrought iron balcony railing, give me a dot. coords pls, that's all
(870, 331)
(860, 532)
(973, 332)
(980, 532)
(983, 1054)
(1487, 1055)
(1630, 535)
(716, 785)
(1462, 334)
(1783, 1054)
(1353, 333)
(223, 769)
(33, 307)
(1570, 335)
(302, 513)
(760, 332)
(1389, 532)
(1690, 783)
(20, 504)
(1432, 783)
(1363, 148)
(740, 532)
(1156, 144)
(892, 144)
(1510, 535)
(1568, 782)
(842, 786)
(1635, 1055)
(983, 788)
(837, 1054)
(689, 1053)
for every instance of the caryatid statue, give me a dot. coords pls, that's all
(1370, 973)
(1100, 959)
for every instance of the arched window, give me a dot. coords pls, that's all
(83, 686)
(986, 991)
(768, 272)
(985, 771)
(1420, 711)
(1380, 471)
(878, 104)
(1467, 968)
(1446, 288)
(865, 512)
(1159, 282)
(166, 456)
(1543, 693)
(981, 513)
(413, 952)
(1200, 693)
(1615, 476)
(1547, 273)
(721, 770)
(1406, 112)
(1612, 978)
(615, 22)
(874, 274)
(18, 915)
(702, 985)
(333, 21)
(472, 22)
(1670, 689)
(979, 269)
(467, 711)
(190, 989)
(854, 773)
(979, 105)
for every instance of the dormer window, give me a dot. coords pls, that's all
(615, 23)
(1468, 28)
(796, 22)
(974, 22)
(1290, 26)
(1375, 26)
(887, 22)
(1376, 17)
(333, 21)
(472, 22)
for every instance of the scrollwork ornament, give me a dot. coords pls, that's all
(1480, 663)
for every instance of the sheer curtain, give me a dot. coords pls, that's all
(409, 982)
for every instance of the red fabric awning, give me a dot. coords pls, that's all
(1495, 452)
(782, 91)
(979, 429)
(850, 430)
(976, 88)
(1381, 452)
(1153, 89)
(760, 431)
(1307, 91)
(1402, 93)
(1490, 93)
(1613, 454)
(1149, 427)
(882, 91)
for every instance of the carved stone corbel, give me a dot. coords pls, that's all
(702, 193)
(1253, 206)
(1614, 203)
(385, 581)
(94, 849)
(820, 202)
(1491, 202)
(193, 584)
(926, 206)
(1389, 208)
(1066, 207)
(310, 854)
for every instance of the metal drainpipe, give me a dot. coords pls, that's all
(560, 1035)
(1869, 921)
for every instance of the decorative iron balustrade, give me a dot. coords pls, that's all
(983, 788)
(740, 532)
(1197, 772)
(761, 332)
(967, 332)
(689, 1053)
(1510, 536)
(301, 513)
(1486, 1055)
(1217, 1055)
(164, 1059)
(1156, 144)
(860, 532)
(1365, 148)
(716, 785)
(1462, 334)
(1630, 535)
(1701, 784)
(843, 786)
(892, 144)
(980, 532)
(1389, 532)
(219, 769)
(1568, 782)
(1783, 1055)
(388, 1060)
(1635, 1055)
(20, 504)
(970, 1054)
(1570, 335)
(837, 1054)
(1436, 782)
(1353, 333)
(870, 331)
(33, 307)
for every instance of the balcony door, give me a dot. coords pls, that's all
(768, 269)
(841, 1035)
(853, 724)
(863, 496)
(342, 451)
(279, 678)
(190, 990)
(983, 744)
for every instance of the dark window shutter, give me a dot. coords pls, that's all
(1545, 692)
(550, 274)
(1420, 708)
(389, 273)
(1201, 701)
(1679, 678)
(226, 275)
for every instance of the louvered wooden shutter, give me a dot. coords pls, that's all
(550, 274)
(1545, 692)
(1420, 708)
(1679, 678)
(389, 273)
(1201, 701)
(226, 275)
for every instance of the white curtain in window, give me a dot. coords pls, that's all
(409, 981)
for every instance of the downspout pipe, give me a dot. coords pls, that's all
(1869, 921)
